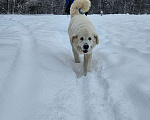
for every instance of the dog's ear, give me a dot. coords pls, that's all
(73, 38)
(97, 39)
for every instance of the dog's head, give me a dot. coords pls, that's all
(85, 42)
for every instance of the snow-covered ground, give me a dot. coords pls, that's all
(39, 79)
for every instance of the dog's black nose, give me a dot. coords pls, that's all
(86, 46)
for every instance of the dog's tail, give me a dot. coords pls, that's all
(82, 5)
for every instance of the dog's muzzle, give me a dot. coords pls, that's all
(85, 47)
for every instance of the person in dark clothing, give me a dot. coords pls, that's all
(68, 5)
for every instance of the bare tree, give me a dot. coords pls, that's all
(2, 8)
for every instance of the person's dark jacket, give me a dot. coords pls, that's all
(68, 5)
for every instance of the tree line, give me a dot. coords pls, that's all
(57, 6)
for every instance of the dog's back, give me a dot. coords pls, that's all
(80, 22)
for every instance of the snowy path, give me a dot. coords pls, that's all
(20, 84)
(40, 81)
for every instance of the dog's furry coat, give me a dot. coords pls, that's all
(82, 32)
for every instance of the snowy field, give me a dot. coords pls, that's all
(39, 79)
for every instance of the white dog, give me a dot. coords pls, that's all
(83, 36)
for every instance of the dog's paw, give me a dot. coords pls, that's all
(85, 73)
(77, 61)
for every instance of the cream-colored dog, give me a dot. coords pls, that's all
(83, 36)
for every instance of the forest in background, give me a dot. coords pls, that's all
(57, 7)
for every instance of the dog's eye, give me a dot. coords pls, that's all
(81, 38)
(90, 38)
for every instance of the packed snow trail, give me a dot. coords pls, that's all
(39, 79)
(21, 85)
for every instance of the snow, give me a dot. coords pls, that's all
(39, 79)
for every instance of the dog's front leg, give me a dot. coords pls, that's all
(76, 56)
(87, 63)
